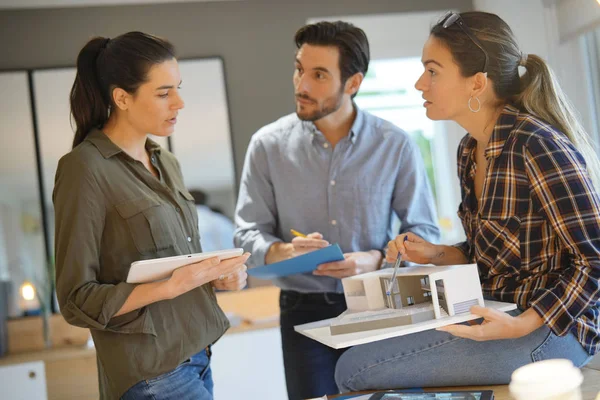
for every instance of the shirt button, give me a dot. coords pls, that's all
(333, 222)
(332, 183)
(178, 209)
(153, 159)
(326, 145)
(189, 239)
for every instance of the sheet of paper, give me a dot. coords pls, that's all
(299, 265)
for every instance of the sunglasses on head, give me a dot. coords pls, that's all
(454, 18)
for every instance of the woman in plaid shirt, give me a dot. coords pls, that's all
(529, 208)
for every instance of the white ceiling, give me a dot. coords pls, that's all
(13, 4)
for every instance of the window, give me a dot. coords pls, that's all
(591, 44)
(388, 92)
(22, 248)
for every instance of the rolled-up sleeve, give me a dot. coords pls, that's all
(465, 248)
(256, 211)
(80, 215)
(561, 184)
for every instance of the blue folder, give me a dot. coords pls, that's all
(305, 263)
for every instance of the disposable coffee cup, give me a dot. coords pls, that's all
(555, 379)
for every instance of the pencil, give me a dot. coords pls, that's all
(396, 265)
(297, 234)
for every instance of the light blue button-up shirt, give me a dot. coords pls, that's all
(294, 179)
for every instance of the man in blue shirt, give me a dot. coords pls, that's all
(216, 230)
(338, 172)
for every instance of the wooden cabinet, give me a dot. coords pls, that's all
(71, 372)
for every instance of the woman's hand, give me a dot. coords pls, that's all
(234, 281)
(496, 325)
(414, 249)
(194, 275)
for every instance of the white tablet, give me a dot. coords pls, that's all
(162, 268)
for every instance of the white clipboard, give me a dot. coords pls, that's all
(161, 268)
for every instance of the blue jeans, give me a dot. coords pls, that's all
(191, 380)
(434, 358)
(309, 365)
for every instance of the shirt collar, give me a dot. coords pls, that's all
(504, 126)
(358, 125)
(108, 149)
(500, 134)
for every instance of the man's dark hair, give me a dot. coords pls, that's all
(351, 42)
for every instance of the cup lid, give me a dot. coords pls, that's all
(546, 377)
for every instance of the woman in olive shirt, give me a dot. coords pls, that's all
(119, 197)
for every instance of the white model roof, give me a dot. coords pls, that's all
(419, 270)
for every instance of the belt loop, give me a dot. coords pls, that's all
(327, 300)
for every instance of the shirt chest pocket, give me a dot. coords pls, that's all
(499, 240)
(372, 203)
(152, 225)
(190, 211)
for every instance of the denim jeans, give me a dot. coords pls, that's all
(191, 380)
(434, 358)
(309, 365)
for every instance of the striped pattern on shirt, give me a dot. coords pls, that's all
(536, 233)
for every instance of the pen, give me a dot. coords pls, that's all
(297, 234)
(396, 266)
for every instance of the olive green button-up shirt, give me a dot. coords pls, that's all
(111, 211)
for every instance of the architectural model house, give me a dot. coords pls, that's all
(418, 294)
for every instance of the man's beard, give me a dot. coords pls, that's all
(330, 105)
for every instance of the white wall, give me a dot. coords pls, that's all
(526, 19)
(535, 24)
(249, 365)
(575, 17)
(392, 35)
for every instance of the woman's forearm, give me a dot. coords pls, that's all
(143, 295)
(528, 322)
(448, 255)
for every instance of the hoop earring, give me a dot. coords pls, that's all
(478, 104)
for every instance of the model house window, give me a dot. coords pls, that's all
(394, 300)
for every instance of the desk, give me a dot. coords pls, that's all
(589, 389)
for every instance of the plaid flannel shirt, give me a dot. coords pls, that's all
(536, 235)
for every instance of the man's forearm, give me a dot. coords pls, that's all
(279, 251)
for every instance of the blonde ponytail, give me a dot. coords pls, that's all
(542, 96)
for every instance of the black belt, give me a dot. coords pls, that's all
(316, 297)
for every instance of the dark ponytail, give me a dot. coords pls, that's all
(103, 65)
(89, 107)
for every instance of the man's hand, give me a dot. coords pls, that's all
(282, 251)
(496, 325)
(353, 264)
